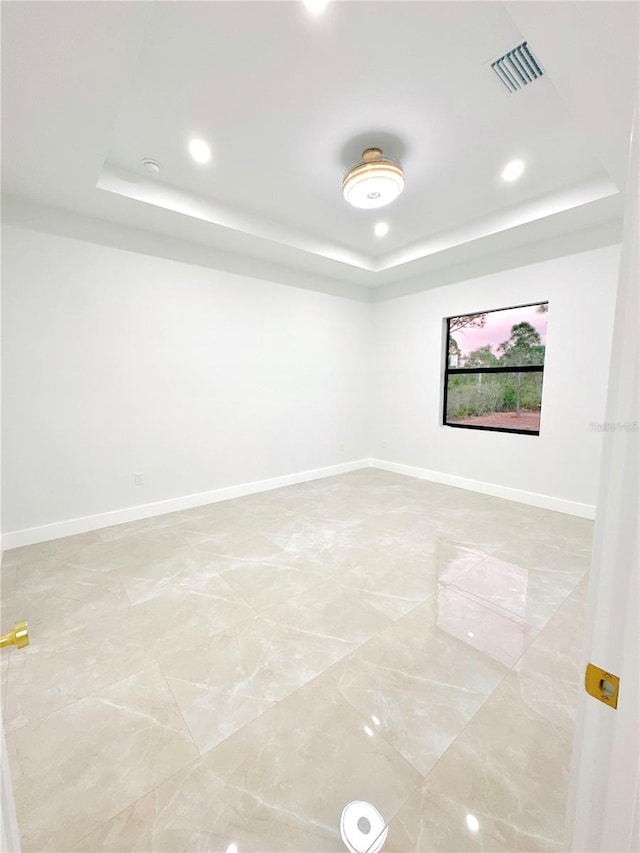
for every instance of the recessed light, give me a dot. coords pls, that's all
(200, 151)
(381, 229)
(151, 165)
(513, 170)
(470, 634)
(316, 7)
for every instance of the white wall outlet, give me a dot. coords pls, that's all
(138, 479)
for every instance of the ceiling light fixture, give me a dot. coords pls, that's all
(316, 7)
(151, 165)
(513, 170)
(381, 229)
(373, 182)
(200, 151)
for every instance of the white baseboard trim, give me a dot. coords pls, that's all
(45, 532)
(496, 491)
(33, 535)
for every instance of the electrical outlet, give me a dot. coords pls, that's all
(137, 478)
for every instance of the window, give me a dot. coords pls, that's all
(493, 369)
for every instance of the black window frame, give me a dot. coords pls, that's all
(452, 371)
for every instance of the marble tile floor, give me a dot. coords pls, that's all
(228, 678)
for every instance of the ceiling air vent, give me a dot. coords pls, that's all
(517, 68)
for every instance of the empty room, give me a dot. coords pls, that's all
(319, 438)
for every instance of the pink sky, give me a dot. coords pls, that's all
(498, 328)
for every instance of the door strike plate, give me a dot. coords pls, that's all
(602, 685)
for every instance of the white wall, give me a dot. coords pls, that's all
(563, 462)
(116, 362)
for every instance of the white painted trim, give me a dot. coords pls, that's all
(45, 532)
(9, 832)
(32, 535)
(497, 491)
(605, 773)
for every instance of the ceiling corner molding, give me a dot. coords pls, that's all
(24, 213)
(595, 237)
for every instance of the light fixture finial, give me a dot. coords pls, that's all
(369, 155)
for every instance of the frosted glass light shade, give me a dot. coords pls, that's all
(374, 182)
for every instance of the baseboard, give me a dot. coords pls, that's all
(32, 535)
(496, 491)
(43, 533)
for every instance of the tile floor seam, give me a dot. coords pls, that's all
(270, 707)
(124, 586)
(357, 591)
(542, 719)
(477, 813)
(342, 662)
(384, 628)
(177, 704)
(205, 686)
(394, 746)
(540, 631)
(79, 699)
(392, 623)
(353, 710)
(356, 712)
(274, 807)
(502, 848)
(309, 633)
(402, 805)
(495, 608)
(453, 744)
(462, 730)
(368, 607)
(282, 601)
(432, 595)
(510, 670)
(432, 681)
(332, 830)
(126, 710)
(130, 805)
(144, 793)
(545, 838)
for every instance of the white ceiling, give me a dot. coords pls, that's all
(288, 101)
